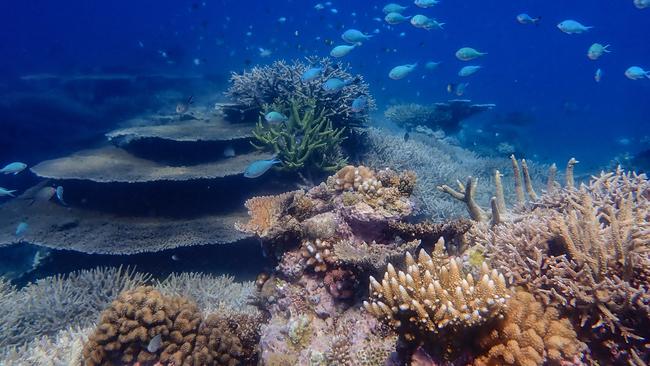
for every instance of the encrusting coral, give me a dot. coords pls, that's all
(127, 328)
(434, 295)
(529, 335)
(306, 140)
(585, 250)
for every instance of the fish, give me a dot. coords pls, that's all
(636, 73)
(7, 192)
(333, 85)
(468, 53)
(424, 22)
(45, 194)
(596, 50)
(282, 19)
(355, 36)
(431, 65)
(13, 168)
(229, 152)
(598, 75)
(319, 6)
(275, 117)
(642, 4)
(468, 70)
(395, 18)
(155, 344)
(359, 104)
(570, 26)
(59, 195)
(341, 50)
(311, 74)
(393, 8)
(407, 136)
(401, 71)
(264, 52)
(426, 3)
(259, 167)
(183, 107)
(175, 257)
(458, 89)
(21, 228)
(524, 18)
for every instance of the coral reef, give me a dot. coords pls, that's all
(585, 250)
(61, 349)
(529, 334)
(435, 160)
(268, 215)
(434, 296)
(445, 116)
(307, 140)
(51, 304)
(280, 81)
(137, 316)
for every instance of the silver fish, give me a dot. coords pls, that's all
(155, 344)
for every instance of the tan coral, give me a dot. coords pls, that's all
(351, 178)
(266, 213)
(529, 335)
(434, 294)
(318, 254)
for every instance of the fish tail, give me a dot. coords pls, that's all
(11, 193)
(536, 20)
(647, 74)
(441, 25)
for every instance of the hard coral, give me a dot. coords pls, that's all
(282, 81)
(434, 295)
(529, 335)
(268, 215)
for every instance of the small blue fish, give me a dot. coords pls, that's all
(59, 195)
(259, 167)
(311, 74)
(13, 168)
(21, 228)
(335, 84)
(275, 117)
(524, 18)
(359, 104)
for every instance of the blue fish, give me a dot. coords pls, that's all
(359, 104)
(59, 195)
(21, 228)
(13, 168)
(275, 117)
(335, 84)
(259, 167)
(311, 74)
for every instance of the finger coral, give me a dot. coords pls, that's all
(529, 335)
(435, 295)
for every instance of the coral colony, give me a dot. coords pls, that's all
(376, 260)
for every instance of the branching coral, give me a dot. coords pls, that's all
(434, 295)
(306, 140)
(586, 250)
(529, 335)
(282, 81)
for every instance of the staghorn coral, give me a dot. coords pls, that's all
(61, 349)
(434, 295)
(586, 251)
(268, 216)
(282, 81)
(307, 140)
(529, 335)
(55, 303)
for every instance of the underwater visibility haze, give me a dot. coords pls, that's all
(424, 182)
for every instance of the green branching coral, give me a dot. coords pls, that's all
(307, 140)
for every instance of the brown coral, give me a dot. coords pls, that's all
(529, 335)
(434, 294)
(318, 254)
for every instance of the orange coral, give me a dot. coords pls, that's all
(266, 212)
(529, 335)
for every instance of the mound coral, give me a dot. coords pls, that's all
(529, 334)
(137, 316)
(307, 140)
(280, 81)
(434, 295)
(586, 251)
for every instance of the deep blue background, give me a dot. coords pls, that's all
(534, 69)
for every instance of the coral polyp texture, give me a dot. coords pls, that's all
(126, 329)
(529, 334)
(282, 81)
(585, 250)
(434, 295)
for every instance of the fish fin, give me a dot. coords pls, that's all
(441, 25)
(11, 193)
